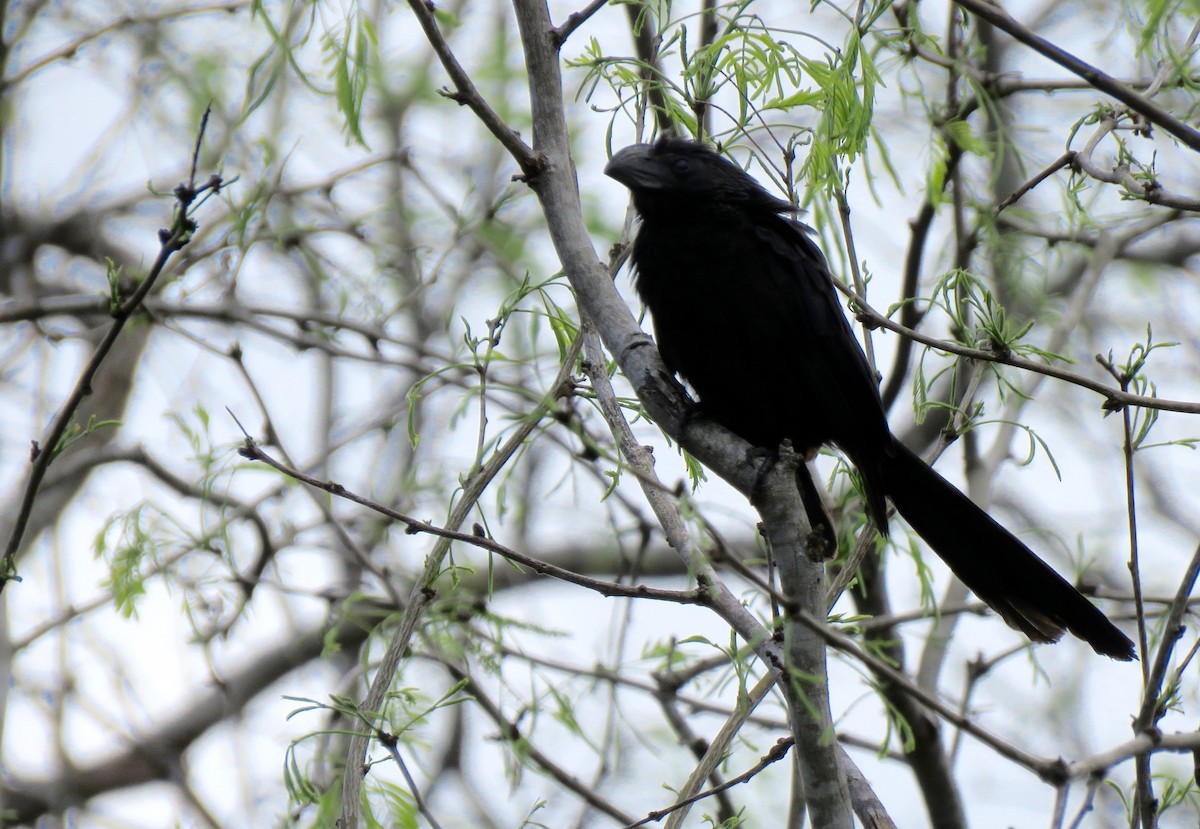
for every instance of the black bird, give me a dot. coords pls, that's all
(745, 310)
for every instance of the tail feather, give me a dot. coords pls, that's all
(990, 560)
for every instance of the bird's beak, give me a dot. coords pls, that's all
(634, 167)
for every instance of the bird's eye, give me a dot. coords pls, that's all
(680, 165)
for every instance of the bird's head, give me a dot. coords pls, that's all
(675, 173)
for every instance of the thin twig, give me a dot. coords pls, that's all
(1046, 768)
(170, 241)
(1152, 709)
(413, 526)
(717, 751)
(577, 19)
(389, 742)
(423, 592)
(510, 733)
(999, 18)
(1147, 189)
(466, 94)
(1089, 800)
(1181, 742)
(1135, 567)
(777, 753)
(1062, 161)
(1115, 398)
(860, 287)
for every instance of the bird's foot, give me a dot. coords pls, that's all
(692, 413)
(821, 542)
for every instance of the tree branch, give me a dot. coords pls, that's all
(999, 18)
(123, 309)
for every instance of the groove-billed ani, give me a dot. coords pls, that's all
(745, 310)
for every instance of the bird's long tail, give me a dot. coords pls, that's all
(998, 568)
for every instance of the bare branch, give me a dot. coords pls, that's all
(466, 94)
(123, 308)
(413, 526)
(1114, 398)
(999, 18)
